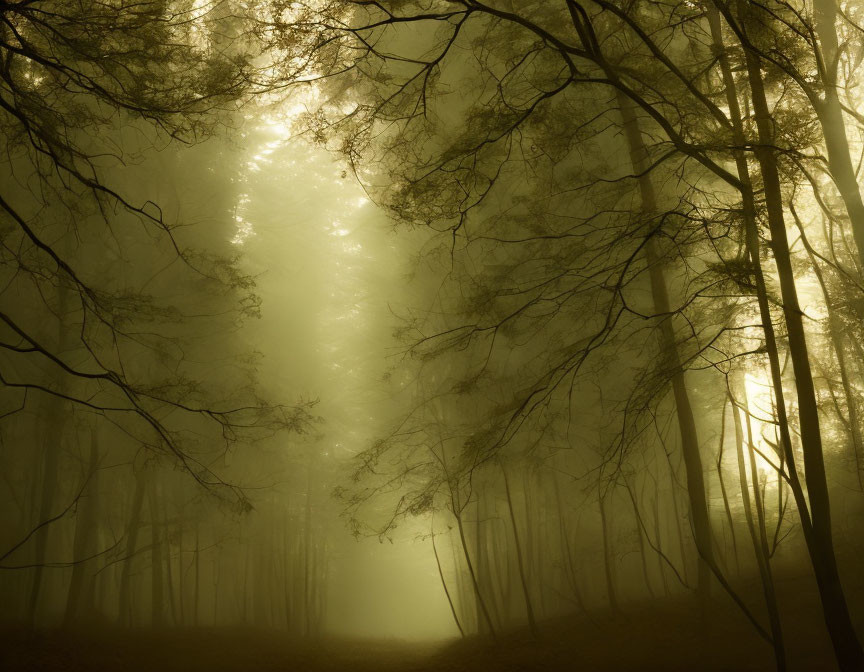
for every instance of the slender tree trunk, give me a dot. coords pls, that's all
(181, 574)
(132, 529)
(469, 616)
(197, 586)
(684, 410)
(481, 602)
(80, 598)
(287, 577)
(835, 331)
(529, 608)
(757, 538)
(830, 113)
(532, 540)
(157, 587)
(307, 569)
(244, 588)
(169, 570)
(481, 562)
(817, 531)
(500, 568)
(52, 440)
(444, 585)
(456, 509)
(676, 515)
(569, 566)
(642, 554)
(729, 519)
(46, 503)
(216, 572)
(608, 558)
(658, 535)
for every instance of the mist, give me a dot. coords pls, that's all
(431, 336)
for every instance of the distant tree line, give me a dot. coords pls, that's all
(128, 400)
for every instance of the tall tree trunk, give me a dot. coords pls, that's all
(817, 530)
(54, 429)
(216, 572)
(157, 586)
(456, 509)
(444, 585)
(307, 557)
(830, 113)
(469, 615)
(244, 586)
(564, 540)
(132, 529)
(676, 516)
(481, 562)
(643, 558)
(169, 570)
(80, 598)
(529, 607)
(729, 518)
(481, 601)
(658, 530)
(181, 574)
(639, 159)
(835, 331)
(608, 557)
(757, 537)
(197, 585)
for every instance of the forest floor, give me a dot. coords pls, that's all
(667, 639)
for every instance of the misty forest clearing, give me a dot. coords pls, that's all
(431, 335)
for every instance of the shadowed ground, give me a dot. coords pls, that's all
(668, 639)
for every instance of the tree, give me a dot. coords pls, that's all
(530, 142)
